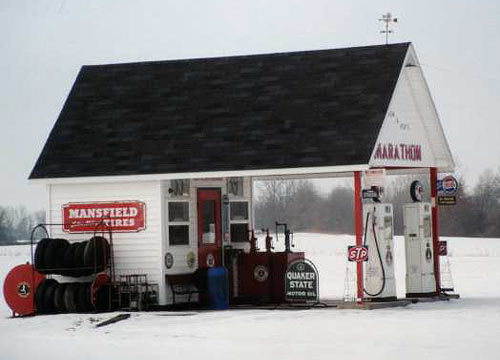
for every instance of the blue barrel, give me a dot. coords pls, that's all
(218, 288)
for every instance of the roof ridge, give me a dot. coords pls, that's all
(270, 54)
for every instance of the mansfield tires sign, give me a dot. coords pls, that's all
(119, 216)
(301, 282)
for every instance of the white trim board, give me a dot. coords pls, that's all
(204, 175)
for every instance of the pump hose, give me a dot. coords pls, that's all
(379, 256)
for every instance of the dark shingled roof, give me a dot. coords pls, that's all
(271, 111)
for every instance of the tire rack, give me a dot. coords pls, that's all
(135, 291)
(100, 228)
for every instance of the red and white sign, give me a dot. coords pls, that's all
(392, 151)
(357, 253)
(120, 216)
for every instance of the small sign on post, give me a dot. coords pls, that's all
(447, 189)
(443, 248)
(357, 253)
(301, 282)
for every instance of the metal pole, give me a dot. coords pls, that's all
(435, 227)
(358, 232)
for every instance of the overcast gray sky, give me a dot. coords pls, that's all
(45, 42)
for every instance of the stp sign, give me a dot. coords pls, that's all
(119, 216)
(357, 253)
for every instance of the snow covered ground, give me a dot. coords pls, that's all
(459, 329)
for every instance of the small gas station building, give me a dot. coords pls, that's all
(158, 148)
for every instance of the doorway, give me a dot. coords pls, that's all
(209, 228)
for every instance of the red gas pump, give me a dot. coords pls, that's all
(261, 274)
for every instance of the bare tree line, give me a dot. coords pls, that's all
(16, 223)
(300, 204)
(304, 208)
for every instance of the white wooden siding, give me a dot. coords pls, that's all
(134, 253)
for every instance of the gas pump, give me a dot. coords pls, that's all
(380, 283)
(420, 280)
(288, 236)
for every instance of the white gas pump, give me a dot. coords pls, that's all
(380, 284)
(420, 280)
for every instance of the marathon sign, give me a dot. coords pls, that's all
(301, 282)
(405, 152)
(119, 216)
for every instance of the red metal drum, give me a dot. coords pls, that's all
(19, 289)
(279, 264)
(254, 277)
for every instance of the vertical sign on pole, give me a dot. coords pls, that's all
(435, 226)
(358, 231)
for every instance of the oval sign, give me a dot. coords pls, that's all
(357, 253)
(450, 185)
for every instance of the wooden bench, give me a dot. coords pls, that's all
(187, 284)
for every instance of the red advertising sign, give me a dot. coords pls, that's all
(357, 253)
(119, 216)
(443, 248)
(393, 151)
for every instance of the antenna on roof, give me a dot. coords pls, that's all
(387, 19)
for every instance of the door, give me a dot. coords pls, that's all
(209, 228)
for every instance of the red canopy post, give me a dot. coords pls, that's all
(358, 231)
(435, 227)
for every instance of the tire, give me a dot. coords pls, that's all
(415, 195)
(54, 255)
(96, 253)
(48, 297)
(59, 298)
(69, 260)
(70, 297)
(40, 295)
(78, 261)
(82, 297)
(40, 254)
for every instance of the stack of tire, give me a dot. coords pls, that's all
(58, 256)
(53, 297)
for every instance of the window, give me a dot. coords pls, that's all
(208, 222)
(178, 234)
(238, 216)
(427, 226)
(178, 211)
(235, 186)
(239, 233)
(388, 227)
(178, 222)
(239, 210)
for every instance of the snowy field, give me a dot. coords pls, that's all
(459, 329)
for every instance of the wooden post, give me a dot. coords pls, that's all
(358, 232)
(435, 227)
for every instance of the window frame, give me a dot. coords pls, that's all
(239, 222)
(179, 223)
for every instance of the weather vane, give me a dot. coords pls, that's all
(387, 19)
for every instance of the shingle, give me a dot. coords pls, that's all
(285, 110)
